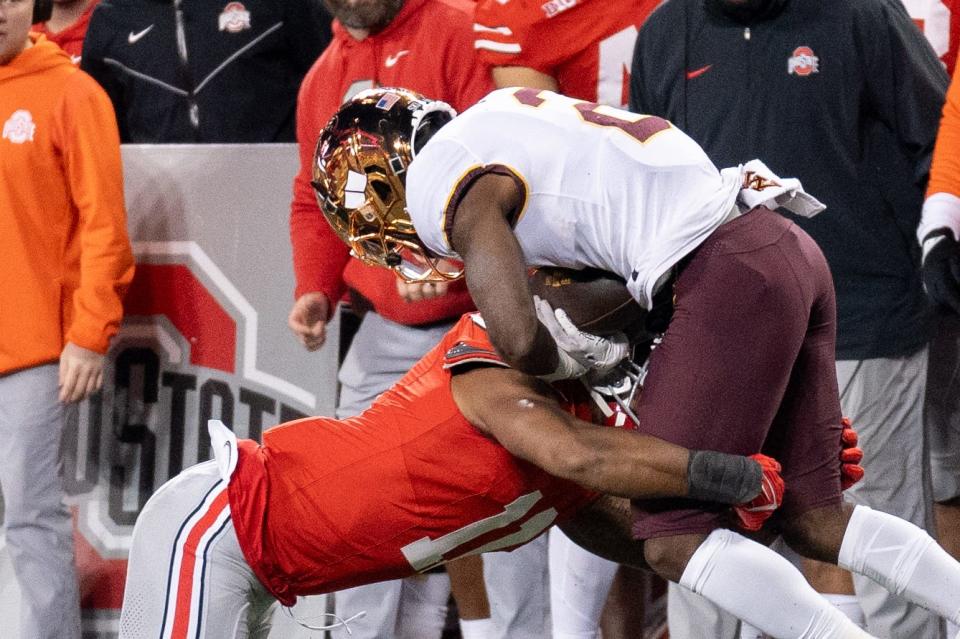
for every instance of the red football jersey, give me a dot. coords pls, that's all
(324, 505)
(940, 22)
(586, 45)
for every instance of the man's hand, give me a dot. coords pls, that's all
(755, 512)
(308, 319)
(81, 373)
(850, 456)
(941, 268)
(591, 352)
(418, 291)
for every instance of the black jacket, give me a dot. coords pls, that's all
(845, 96)
(235, 79)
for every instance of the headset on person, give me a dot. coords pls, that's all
(42, 9)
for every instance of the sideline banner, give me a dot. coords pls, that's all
(204, 336)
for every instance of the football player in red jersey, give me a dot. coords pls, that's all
(326, 504)
(580, 49)
(462, 456)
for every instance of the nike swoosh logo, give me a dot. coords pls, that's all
(134, 37)
(696, 73)
(393, 59)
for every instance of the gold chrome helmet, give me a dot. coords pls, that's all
(359, 170)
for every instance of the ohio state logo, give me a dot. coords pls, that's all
(234, 18)
(803, 62)
(20, 127)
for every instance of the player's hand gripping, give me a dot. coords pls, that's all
(941, 268)
(850, 456)
(753, 514)
(579, 352)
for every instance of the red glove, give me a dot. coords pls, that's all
(754, 513)
(850, 456)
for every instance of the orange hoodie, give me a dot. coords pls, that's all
(65, 258)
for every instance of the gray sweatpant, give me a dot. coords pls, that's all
(36, 522)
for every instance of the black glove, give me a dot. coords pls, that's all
(941, 270)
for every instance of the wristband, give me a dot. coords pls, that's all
(723, 478)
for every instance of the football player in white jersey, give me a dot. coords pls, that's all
(530, 178)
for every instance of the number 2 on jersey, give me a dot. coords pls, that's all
(641, 129)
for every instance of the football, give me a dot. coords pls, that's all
(596, 301)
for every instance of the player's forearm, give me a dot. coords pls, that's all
(638, 466)
(496, 276)
(625, 464)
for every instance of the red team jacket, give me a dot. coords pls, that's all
(428, 47)
(587, 46)
(324, 505)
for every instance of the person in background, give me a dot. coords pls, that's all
(939, 20)
(579, 49)
(66, 264)
(67, 25)
(938, 233)
(850, 96)
(425, 44)
(205, 70)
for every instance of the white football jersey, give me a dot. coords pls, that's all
(604, 188)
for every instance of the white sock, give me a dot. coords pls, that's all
(579, 584)
(902, 558)
(953, 630)
(759, 586)
(476, 628)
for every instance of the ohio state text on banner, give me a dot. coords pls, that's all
(205, 336)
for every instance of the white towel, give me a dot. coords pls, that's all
(763, 187)
(224, 444)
